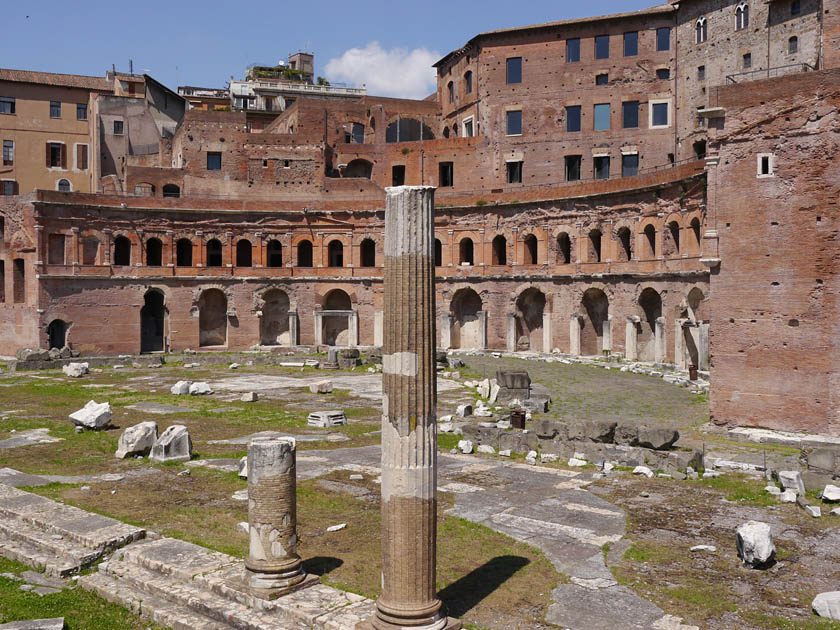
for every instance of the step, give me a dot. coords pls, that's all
(63, 557)
(50, 563)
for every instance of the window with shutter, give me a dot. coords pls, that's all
(63, 156)
(82, 157)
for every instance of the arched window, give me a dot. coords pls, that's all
(695, 231)
(500, 250)
(214, 253)
(626, 250)
(446, 132)
(122, 251)
(171, 190)
(408, 130)
(63, 185)
(674, 234)
(57, 333)
(650, 240)
(367, 251)
(564, 249)
(451, 90)
(466, 252)
(438, 253)
(595, 245)
(529, 250)
(793, 45)
(701, 29)
(372, 123)
(244, 253)
(335, 254)
(144, 190)
(183, 252)
(275, 253)
(742, 16)
(455, 130)
(468, 82)
(154, 252)
(304, 254)
(359, 168)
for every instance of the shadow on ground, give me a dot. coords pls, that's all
(464, 594)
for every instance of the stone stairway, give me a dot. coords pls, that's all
(57, 538)
(188, 587)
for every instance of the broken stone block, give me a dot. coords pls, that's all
(547, 458)
(243, 527)
(827, 605)
(657, 438)
(180, 388)
(643, 470)
(626, 434)
(813, 510)
(32, 354)
(504, 453)
(243, 467)
(831, 493)
(173, 445)
(55, 353)
(483, 412)
(54, 623)
(788, 496)
(513, 379)
(76, 370)
(234, 366)
(200, 389)
(494, 392)
(754, 543)
(574, 461)
(325, 419)
(546, 429)
(321, 387)
(600, 431)
(531, 458)
(445, 427)
(773, 490)
(487, 449)
(465, 446)
(535, 405)
(137, 440)
(464, 411)
(792, 480)
(484, 388)
(250, 397)
(709, 548)
(93, 415)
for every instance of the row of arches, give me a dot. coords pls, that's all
(145, 189)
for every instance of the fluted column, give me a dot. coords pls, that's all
(409, 430)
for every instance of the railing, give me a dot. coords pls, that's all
(768, 73)
(287, 86)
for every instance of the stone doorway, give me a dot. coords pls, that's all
(650, 309)
(596, 306)
(530, 310)
(466, 320)
(212, 318)
(57, 333)
(335, 319)
(152, 322)
(274, 324)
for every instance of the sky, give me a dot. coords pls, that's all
(387, 46)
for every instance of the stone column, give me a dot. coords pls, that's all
(273, 565)
(631, 338)
(409, 429)
(482, 330)
(75, 241)
(659, 341)
(106, 246)
(679, 344)
(511, 332)
(703, 347)
(39, 245)
(446, 331)
(606, 332)
(319, 327)
(574, 334)
(546, 332)
(353, 329)
(170, 239)
(377, 328)
(293, 328)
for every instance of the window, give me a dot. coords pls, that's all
(214, 253)
(466, 251)
(446, 174)
(602, 167)
(82, 157)
(659, 114)
(701, 73)
(468, 82)
(154, 252)
(795, 7)
(8, 152)
(602, 79)
(742, 16)
(514, 70)
(564, 248)
(398, 175)
(514, 122)
(766, 165)
(335, 254)
(530, 249)
(514, 172)
(214, 161)
(81, 111)
(171, 190)
(629, 165)
(793, 45)
(663, 38)
(55, 109)
(602, 117)
(573, 118)
(275, 253)
(7, 187)
(367, 253)
(63, 185)
(602, 47)
(451, 87)
(663, 74)
(468, 128)
(183, 252)
(747, 60)
(573, 168)
(7, 105)
(19, 280)
(438, 253)
(304, 254)
(499, 250)
(631, 44)
(572, 50)
(118, 127)
(244, 253)
(56, 155)
(701, 30)
(122, 251)
(630, 114)
(358, 133)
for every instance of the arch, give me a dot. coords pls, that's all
(152, 322)
(564, 248)
(122, 251)
(337, 300)
(701, 30)
(212, 318)
(244, 253)
(499, 250)
(304, 253)
(274, 251)
(530, 307)
(438, 253)
(183, 252)
(695, 235)
(625, 249)
(336, 327)
(359, 168)
(650, 240)
(274, 323)
(154, 252)
(171, 190)
(695, 308)
(466, 252)
(671, 246)
(144, 189)
(596, 305)
(446, 132)
(466, 307)
(57, 333)
(214, 253)
(529, 250)
(450, 87)
(408, 130)
(742, 16)
(793, 44)
(468, 82)
(372, 123)
(595, 238)
(650, 309)
(90, 250)
(367, 253)
(335, 254)
(64, 185)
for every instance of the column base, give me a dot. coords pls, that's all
(269, 586)
(372, 623)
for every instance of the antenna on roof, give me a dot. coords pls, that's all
(130, 66)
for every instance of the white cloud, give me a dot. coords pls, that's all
(397, 72)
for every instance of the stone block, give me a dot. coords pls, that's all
(137, 440)
(816, 480)
(600, 431)
(792, 480)
(32, 354)
(626, 433)
(249, 397)
(513, 379)
(754, 543)
(465, 446)
(821, 459)
(243, 467)
(75, 370)
(464, 411)
(535, 405)
(200, 389)
(180, 388)
(173, 445)
(93, 415)
(326, 419)
(827, 605)
(487, 449)
(54, 623)
(657, 438)
(489, 436)
(349, 353)
(546, 428)
(321, 387)
(831, 493)
(576, 431)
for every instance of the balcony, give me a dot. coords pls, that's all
(769, 73)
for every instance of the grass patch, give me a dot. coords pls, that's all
(741, 488)
(448, 441)
(775, 622)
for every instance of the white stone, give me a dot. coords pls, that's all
(643, 470)
(240, 495)
(772, 489)
(173, 445)
(711, 474)
(243, 527)
(531, 457)
(755, 543)
(321, 387)
(574, 461)
(486, 448)
(445, 427)
(515, 404)
(93, 415)
(813, 510)
(792, 480)
(831, 493)
(788, 496)
(484, 388)
(465, 446)
(180, 388)
(709, 548)
(608, 467)
(250, 397)
(234, 366)
(836, 511)
(506, 453)
(325, 419)
(483, 412)
(76, 370)
(243, 467)
(579, 455)
(336, 528)
(494, 391)
(200, 389)
(357, 477)
(445, 418)
(827, 605)
(547, 458)
(464, 411)
(138, 439)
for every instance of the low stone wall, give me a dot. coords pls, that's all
(146, 360)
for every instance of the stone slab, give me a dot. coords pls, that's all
(29, 437)
(159, 408)
(55, 623)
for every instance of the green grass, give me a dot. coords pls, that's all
(741, 488)
(650, 552)
(774, 622)
(448, 441)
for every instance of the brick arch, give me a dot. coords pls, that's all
(513, 298)
(323, 292)
(209, 236)
(197, 291)
(259, 296)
